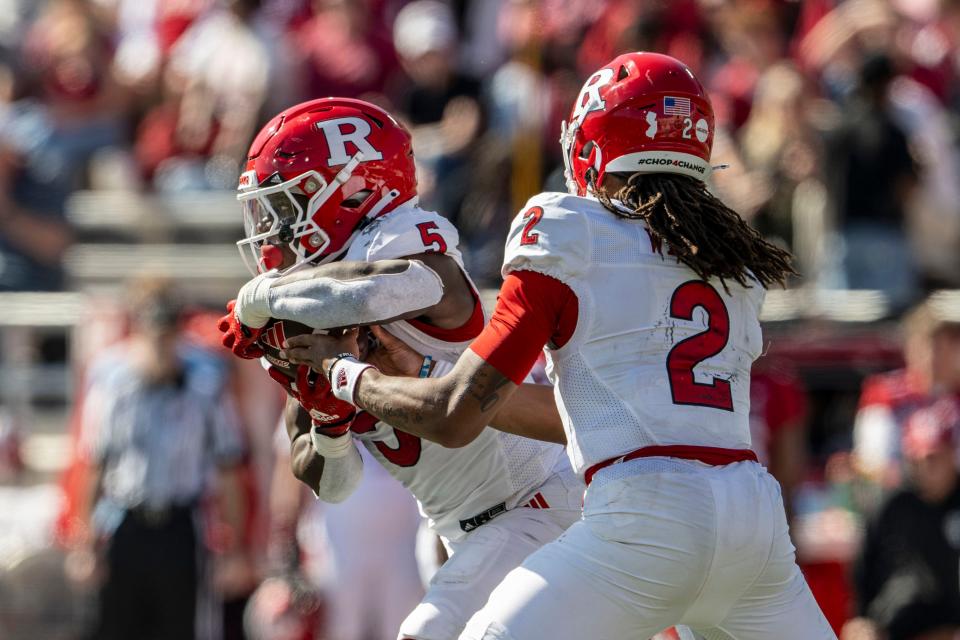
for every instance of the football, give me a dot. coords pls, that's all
(271, 341)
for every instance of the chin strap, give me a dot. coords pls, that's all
(382, 204)
(338, 180)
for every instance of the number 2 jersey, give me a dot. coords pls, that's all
(644, 353)
(458, 489)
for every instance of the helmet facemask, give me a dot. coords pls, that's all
(283, 214)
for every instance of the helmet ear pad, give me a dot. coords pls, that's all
(591, 159)
(594, 161)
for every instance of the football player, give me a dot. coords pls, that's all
(646, 291)
(333, 226)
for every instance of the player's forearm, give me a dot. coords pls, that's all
(451, 410)
(342, 294)
(531, 412)
(341, 476)
(409, 404)
(331, 479)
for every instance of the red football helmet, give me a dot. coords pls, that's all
(643, 112)
(318, 173)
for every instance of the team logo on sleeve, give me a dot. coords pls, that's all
(341, 379)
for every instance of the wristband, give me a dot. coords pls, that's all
(337, 359)
(345, 372)
(328, 447)
(426, 367)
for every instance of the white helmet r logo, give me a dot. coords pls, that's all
(343, 130)
(589, 98)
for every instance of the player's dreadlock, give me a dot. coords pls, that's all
(703, 233)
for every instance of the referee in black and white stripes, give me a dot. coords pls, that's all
(155, 429)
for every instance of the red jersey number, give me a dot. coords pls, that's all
(433, 241)
(532, 216)
(690, 352)
(407, 452)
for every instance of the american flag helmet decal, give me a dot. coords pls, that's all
(676, 106)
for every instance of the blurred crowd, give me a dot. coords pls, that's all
(837, 121)
(836, 118)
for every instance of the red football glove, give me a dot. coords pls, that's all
(240, 339)
(330, 416)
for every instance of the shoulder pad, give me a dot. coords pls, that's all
(549, 235)
(405, 232)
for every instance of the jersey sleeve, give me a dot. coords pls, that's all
(549, 238)
(532, 310)
(406, 232)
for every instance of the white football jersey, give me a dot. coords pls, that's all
(658, 356)
(458, 489)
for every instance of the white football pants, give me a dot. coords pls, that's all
(662, 542)
(481, 559)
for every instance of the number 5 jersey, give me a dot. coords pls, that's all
(457, 489)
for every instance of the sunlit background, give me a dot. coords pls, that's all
(123, 127)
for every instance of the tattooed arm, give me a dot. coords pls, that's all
(451, 410)
(474, 394)
(531, 311)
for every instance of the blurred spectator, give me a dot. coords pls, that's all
(907, 571)
(67, 54)
(872, 177)
(58, 106)
(154, 425)
(214, 87)
(344, 49)
(933, 210)
(145, 32)
(33, 232)
(440, 103)
(932, 354)
(780, 151)
(425, 37)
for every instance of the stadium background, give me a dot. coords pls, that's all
(123, 123)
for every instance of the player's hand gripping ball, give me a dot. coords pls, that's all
(239, 338)
(270, 343)
(330, 416)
